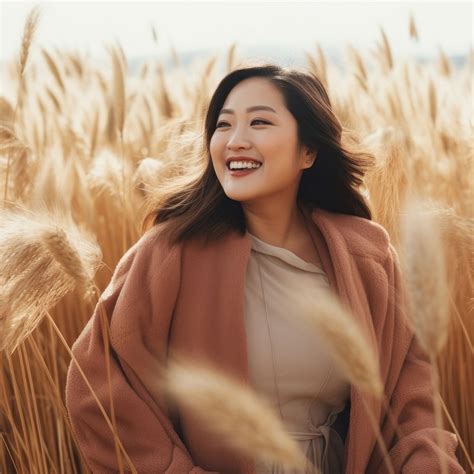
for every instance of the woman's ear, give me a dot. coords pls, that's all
(310, 157)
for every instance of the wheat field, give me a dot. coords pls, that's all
(85, 149)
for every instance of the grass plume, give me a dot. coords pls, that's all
(233, 412)
(425, 271)
(353, 353)
(36, 276)
(31, 25)
(428, 289)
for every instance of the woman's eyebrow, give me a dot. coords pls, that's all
(250, 109)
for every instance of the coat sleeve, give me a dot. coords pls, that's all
(411, 401)
(138, 304)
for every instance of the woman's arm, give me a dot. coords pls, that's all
(411, 402)
(138, 303)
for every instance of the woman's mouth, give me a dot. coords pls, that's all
(243, 170)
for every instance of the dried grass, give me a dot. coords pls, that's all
(426, 276)
(31, 25)
(54, 68)
(31, 246)
(352, 351)
(233, 412)
(350, 348)
(118, 89)
(428, 289)
(412, 28)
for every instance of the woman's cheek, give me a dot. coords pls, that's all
(214, 156)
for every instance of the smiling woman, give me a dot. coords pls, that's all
(281, 119)
(234, 260)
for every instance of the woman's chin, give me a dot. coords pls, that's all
(240, 196)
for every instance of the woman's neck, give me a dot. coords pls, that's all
(281, 226)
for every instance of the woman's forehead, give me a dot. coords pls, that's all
(254, 94)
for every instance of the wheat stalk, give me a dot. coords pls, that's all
(412, 28)
(31, 24)
(230, 60)
(118, 88)
(353, 353)
(54, 69)
(154, 34)
(6, 112)
(432, 101)
(9, 139)
(444, 64)
(425, 273)
(167, 108)
(29, 31)
(57, 242)
(428, 289)
(54, 100)
(118, 63)
(233, 412)
(31, 279)
(384, 52)
(94, 133)
(174, 55)
(105, 173)
(322, 66)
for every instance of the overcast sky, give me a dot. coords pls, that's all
(89, 26)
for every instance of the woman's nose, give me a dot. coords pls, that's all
(237, 139)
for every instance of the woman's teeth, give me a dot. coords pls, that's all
(238, 165)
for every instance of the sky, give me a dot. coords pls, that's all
(89, 26)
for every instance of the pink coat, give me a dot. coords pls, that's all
(190, 298)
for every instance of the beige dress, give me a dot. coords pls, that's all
(289, 365)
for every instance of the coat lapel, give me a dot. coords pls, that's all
(339, 265)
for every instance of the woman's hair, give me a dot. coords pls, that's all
(199, 207)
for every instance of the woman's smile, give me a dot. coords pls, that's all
(245, 170)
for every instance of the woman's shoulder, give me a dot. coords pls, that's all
(363, 237)
(152, 251)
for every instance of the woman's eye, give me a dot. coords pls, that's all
(255, 120)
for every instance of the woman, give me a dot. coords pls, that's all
(276, 214)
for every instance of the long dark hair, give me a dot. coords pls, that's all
(198, 206)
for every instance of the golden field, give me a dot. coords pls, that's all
(85, 149)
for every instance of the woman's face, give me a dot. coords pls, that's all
(254, 123)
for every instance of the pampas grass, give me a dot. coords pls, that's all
(118, 90)
(425, 274)
(412, 28)
(428, 289)
(54, 68)
(58, 244)
(105, 174)
(41, 262)
(31, 25)
(148, 175)
(233, 412)
(352, 351)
